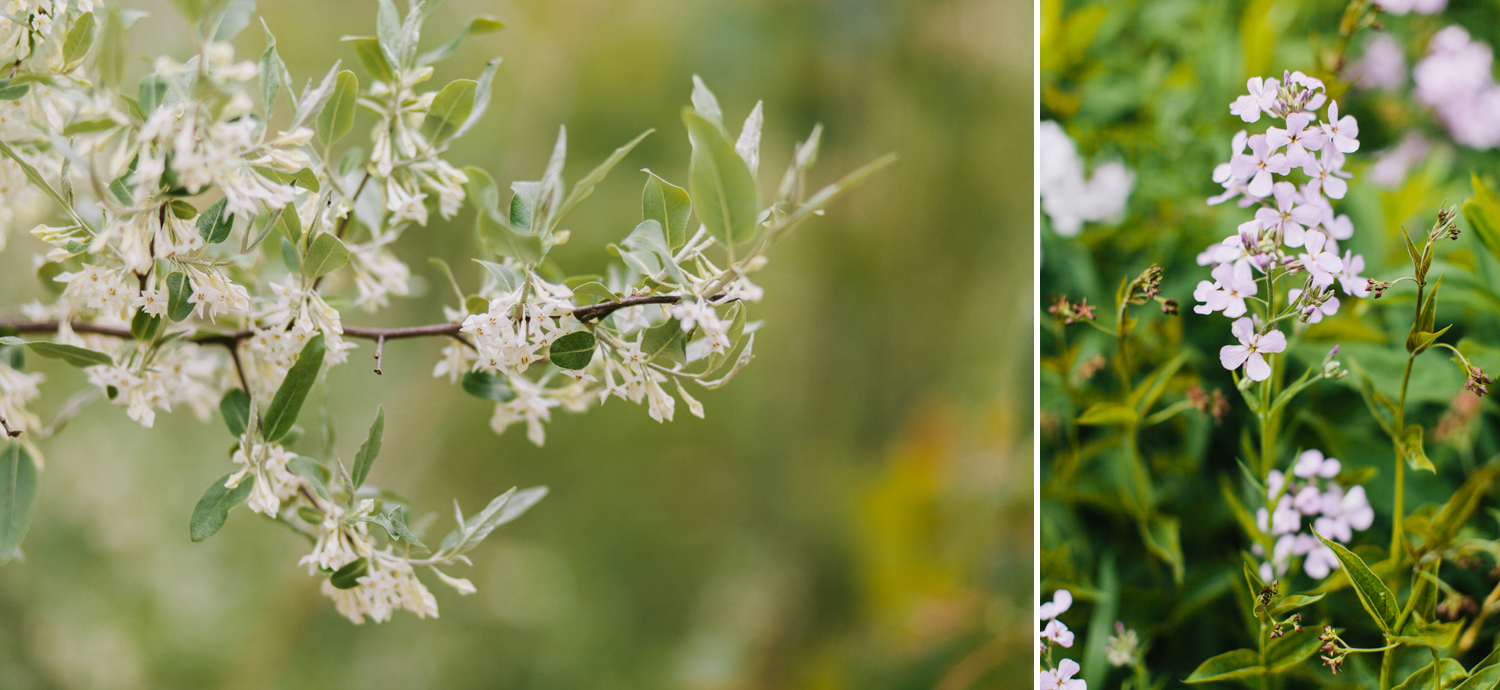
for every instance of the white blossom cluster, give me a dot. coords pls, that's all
(199, 246)
(1055, 632)
(1068, 197)
(1295, 231)
(1310, 495)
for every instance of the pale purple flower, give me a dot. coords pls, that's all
(1250, 351)
(1232, 248)
(1233, 283)
(1262, 96)
(1298, 137)
(1391, 165)
(1399, 7)
(1327, 173)
(1383, 65)
(1320, 562)
(1061, 600)
(1062, 678)
(1222, 172)
(1343, 132)
(1340, 228)
(1344, 513)
(1288, 218)
(1308, 500)
(1349, 278)
(1311, 463)
(1058, 633)
(1321, 260)
(1259, 165)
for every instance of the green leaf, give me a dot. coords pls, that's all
(325, 255)
(475, 27)
(523, 207)
(18, 490)
(669, 205)
(493, 231)
(337, 117)
(1162, 535)
(1483, 214)
(214, 224)
(88, 126)
(179, 289)
(481, 96)
(286, 221)
(80, 38)
(1292, 602)
(233, 19)
(1412, 448)
(316, 474)
(724, 192)
(10, 92)
(235, 406)
(398, 519)
(1107, 414)
(505, 277)
(592, 293)
(145, 327)
(307, 179)
(1240, 663)
(1448, 672)
(151, 93)
(486, 386)
(1421, 603)
(348, 576)
(574, 350)
(369, 449)
(282, 413)
(72, 354)
(36, 178)
(1373, 594)
(1434, 635)
(213, 508)
(1485, 675)
(584, 187)
(271, 71)
(666, 342)
(373, 58)
(450, 109)
(648, 253)
(289, 256)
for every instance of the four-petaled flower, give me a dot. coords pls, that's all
(1233, 283)
(1062, 678)
(1289, 218)
(1249, 351)
(1258, 166)
(1341, 132)
(1261, 97)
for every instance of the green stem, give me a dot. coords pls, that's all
(1387, 668)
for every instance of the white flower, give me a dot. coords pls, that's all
(1232, 284)
(1311, 463)
(1260, 99)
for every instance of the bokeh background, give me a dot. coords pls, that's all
(855, 511)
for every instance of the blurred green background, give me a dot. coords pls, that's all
(855, 511)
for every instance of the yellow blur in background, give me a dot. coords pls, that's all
(855, 511)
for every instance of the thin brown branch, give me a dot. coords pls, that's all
(9, 431)
(603, 309)
(379, 350)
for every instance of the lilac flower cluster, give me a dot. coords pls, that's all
(1295, 229)
(1311, 495)
(1068, 197)
(1457, 80)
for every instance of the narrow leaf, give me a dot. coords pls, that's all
(369, 449)
(18, 491)
(213, 508)
(282, 413)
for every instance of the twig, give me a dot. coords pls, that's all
(603, 309)
(379, 348)
(9, 431)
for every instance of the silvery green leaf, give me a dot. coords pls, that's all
(573, 351)
(282, 413)
(312, 99)
(475, 27)
(523, 206)
(388, 29)
(450, 109)
(400, 530)
(18, 491)
(493, 230)
(827, 194)
(372, 57)
(337, 117)
(325, 254)
(520, 502)
(481, 96)
(665, 344)
(669, 205)
(235, 406)
(348, 576)
(487, 386)
(213, 507)
(214, 224)
(369, 450)
(506, 278)
(80, 38)
(272, 72)
(648, 238)
(551, 192)
(233, 19)
(505, 508)
(584, 187)
(705, 103)
(748, 145)
(72, 354)
(725, 194)
(313, 472)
